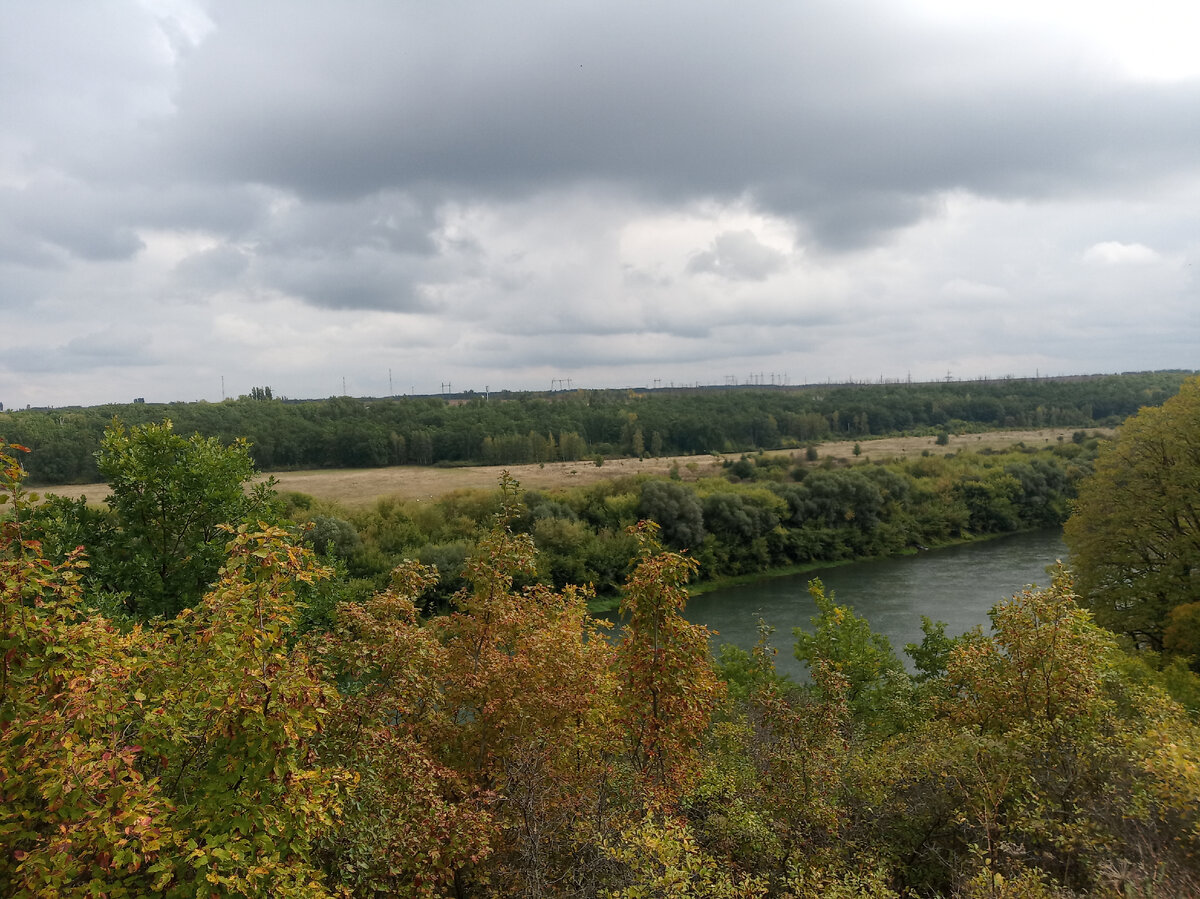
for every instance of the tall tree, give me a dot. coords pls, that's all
(171, 496)
(1135, 533)
(668, 687)
(528, 685)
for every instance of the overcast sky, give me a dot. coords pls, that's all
(300, 194)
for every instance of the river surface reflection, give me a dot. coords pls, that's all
(958, 585)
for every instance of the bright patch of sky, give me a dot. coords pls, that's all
(1151, 40)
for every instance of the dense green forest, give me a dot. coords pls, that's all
(764, 513)
(506, 428)
(209, 691)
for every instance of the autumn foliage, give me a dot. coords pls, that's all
(512, 747)
(168, 759)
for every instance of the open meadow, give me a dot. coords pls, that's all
(362, 486)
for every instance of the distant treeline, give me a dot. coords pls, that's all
(515, 428)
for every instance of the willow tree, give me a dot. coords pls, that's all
(1135, 532)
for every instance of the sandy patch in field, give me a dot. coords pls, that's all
(363, 486)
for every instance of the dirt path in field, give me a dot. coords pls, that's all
(363, 486)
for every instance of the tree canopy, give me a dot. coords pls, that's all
(172, 502)
(1135, 532)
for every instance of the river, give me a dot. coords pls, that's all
(958, 585)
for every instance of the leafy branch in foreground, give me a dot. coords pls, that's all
(160, 758)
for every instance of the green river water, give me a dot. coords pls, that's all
(957, 584)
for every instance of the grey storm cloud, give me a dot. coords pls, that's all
(213, 269)
(651, 348)
(845, 116)
(95, 350)
(125, 345)
(70, 219)
(386, 221)
(584, 185)
(564, 323)
(359, 280)
(738, 255)
(53, 217)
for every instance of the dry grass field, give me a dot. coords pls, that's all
(363, 486)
